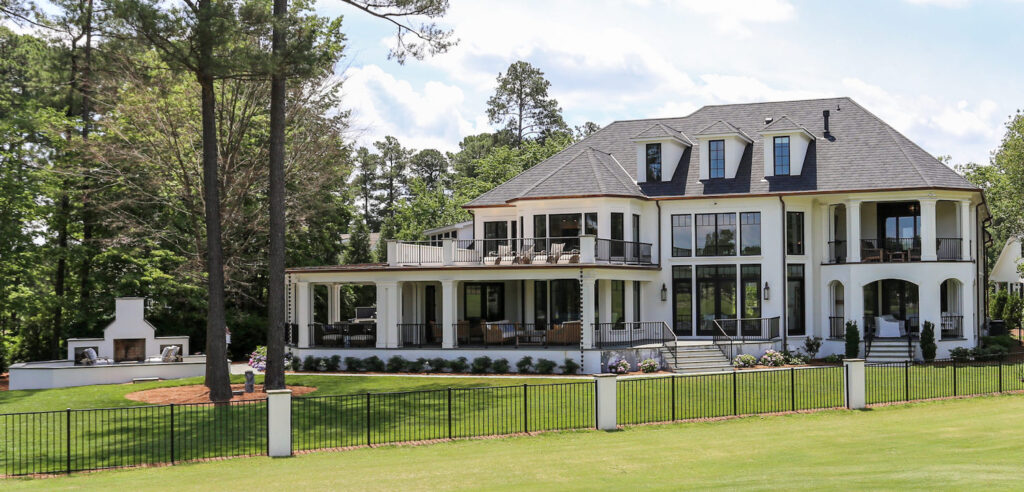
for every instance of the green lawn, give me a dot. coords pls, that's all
(341, 413)
(951, 445)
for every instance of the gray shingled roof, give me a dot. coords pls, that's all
(861, 153)
(658, 130)
(782, 124)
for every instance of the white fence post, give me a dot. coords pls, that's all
(855, 384)
(606, 416)
(279, 422)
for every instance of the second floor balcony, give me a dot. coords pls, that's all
(584, 250)
(898, 231)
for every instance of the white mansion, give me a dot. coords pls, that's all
(759, 224)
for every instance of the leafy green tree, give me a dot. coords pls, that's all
(473, 148)
(365, 184)
(394, 160)
(522, 105)
(430, 166)
(504, 163)
(358, 250)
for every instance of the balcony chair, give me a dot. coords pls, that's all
(505, 255)
(889, 327)
(871, 254)
(525, 256)
(555, 252)
(462, 332)
(564, 334)
(499, 332)
(435, 331)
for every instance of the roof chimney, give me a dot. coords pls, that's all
(824, 114)
(768, 120)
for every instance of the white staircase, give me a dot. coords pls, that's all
(890, 350)
(694, 358)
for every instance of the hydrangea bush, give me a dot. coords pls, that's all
(258, 359)
(620, 366)
(649, 365)
(773, 358)
(744, 360)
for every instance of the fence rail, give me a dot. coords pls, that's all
(906, 381)
(91, 439)
(323, 422)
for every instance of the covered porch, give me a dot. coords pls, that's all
(458, 308)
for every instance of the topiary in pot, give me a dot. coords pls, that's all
(928, 346)
(852, 340)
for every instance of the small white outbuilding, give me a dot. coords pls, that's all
(128, 338)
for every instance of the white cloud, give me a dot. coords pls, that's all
(427, 117)
(941, 3)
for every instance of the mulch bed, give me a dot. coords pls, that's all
(198, 393)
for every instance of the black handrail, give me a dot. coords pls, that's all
(837, 327)
(721, 337)
(631, 334)
(837, 251)
(948, 248)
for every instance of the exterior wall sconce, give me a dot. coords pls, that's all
(767, 291)
(664, 292)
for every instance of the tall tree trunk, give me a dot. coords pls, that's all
(274, 378)
(85, 268)
(217, 377)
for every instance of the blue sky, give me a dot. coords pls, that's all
(947, 73)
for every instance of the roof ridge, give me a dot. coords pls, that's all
(589, 151)
(629, 182)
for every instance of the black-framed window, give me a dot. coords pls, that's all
(794, 233)
(495, 234)
(484, 301)
(750, 233)
(682, 300)
(716, 296)
(590, 223)
(564, 225)
(618, 301)
(716, 158)
(781, 156)
(795, 300)
(540, 304)
(682, 235)
(540, 230)
(653, 162)
(636, 302)
(716, 234)
(636, 228)
(565, 300)
(750, 299)
(617, 235)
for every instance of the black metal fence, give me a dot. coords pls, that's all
(91, 439)
(323, 422)
(906, 381)
(700, 396)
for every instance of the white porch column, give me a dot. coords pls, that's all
(930, 301)
(853, 231)
(448, 314)
(965, 229)
(384, 308)
(588, 249)
(333, 303)
(303, 311)
(928, 234)
(628, 309)
(393, 307)
(587, 315)
(604, 290)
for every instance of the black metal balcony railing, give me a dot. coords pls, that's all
(522, 251)
(419, 335)
(837, 251)
(631, 334)
(948, 248)
(751, 329)
(343, 335)
(836, 327)
(627, 252)
(890, 250)
(509, 334)
(952, 326)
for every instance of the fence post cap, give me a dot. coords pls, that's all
(279, 392)
(606, 375)
(853, 360)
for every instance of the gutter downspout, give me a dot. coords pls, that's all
(785, 279)
(658, 203)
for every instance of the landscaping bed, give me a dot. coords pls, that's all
(198, 393)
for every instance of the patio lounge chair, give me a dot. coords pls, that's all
(499, 332)
(462, 332)
(525, 256)
(505, 255)
(556, 252)
(168, 354)
(91, 359)
(564, 334)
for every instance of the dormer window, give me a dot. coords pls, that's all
(782, 156)
(653, 162)
(716, 153)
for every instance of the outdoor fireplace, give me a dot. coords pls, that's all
(129, 349)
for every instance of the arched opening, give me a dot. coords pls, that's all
(837, 310)
(891, 309)
(951, 300)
